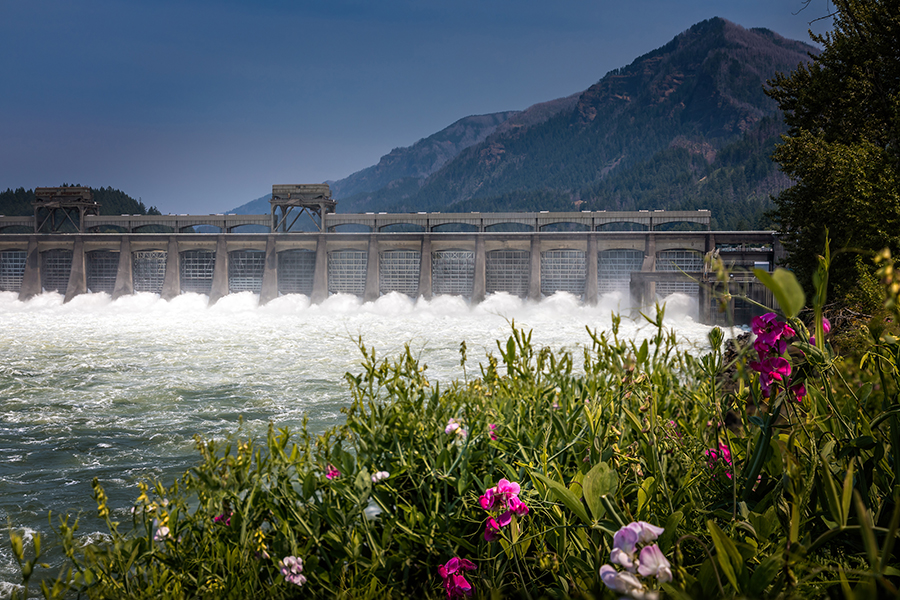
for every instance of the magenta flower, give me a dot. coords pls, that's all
(713, 457)
(223, 518)
(455, 426)
(493, 431)
(770, 334)
(773, 369)
(453, 574)
(332, 473)
(499, 495)
(491, 530)
(826, 327)
(799, 392)
(292, 569)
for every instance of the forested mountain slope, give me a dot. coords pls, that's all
(685, 126)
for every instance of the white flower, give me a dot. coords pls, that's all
(379, 476)
(161, 534)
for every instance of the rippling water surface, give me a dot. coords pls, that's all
(117, 390)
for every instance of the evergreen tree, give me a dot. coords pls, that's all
(841, 150)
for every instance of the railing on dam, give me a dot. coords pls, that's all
(642, 220)
(587, 264)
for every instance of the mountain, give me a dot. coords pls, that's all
(685, 126)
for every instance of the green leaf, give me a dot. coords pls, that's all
(726, 553)
(563, 494)
(764, 574)
(600, 480)
(788, 292)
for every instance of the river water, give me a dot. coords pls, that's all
(117, 390)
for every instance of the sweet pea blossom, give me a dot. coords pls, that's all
(491, 530)
(625, 583)
(378, 476)
(773, 369)
(292, 569)
(627, 538)
(493, 431)
(332, 472)
(454, 426)
(161, 534)
(713, 456)
(223, 518)
(499, 495)
(453, 574)
(826, 327)
(652, 562)
(770, 334)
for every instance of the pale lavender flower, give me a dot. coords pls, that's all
(653, 562)
(292, 569)
(376, 477)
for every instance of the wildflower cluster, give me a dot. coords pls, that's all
(713, 456)
(649, 562)
(454, 576)
(502, 501)
(332, 473)
(292, 569)
(455, 426)
(770, 345)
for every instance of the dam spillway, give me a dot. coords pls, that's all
(586, 260)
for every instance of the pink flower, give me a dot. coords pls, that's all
(799, 391)
(223, 518)
(292, 569)
(376, 477)
(773, 369)
(653, 562)
(517, 507)
(499, 495)
(491, 530)
(332, 473)
(722, 453)
(493, 431)
(826, 327)
(453, 574)
(454, 426)
(770, 334)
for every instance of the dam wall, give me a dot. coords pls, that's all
(528, 264)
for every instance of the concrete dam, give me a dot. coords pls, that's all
(529, 255)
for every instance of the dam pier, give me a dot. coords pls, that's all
(74, 250)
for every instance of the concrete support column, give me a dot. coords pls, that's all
(478, 286)
(320, 278)
(534, 282)
(172, 282)
(649, 288)
(425, 269)
(778, 252)
(220, 272)
(125, 274)
(373, 267)
(31, 279)
(706, 313)
(269, 289)
(78, 275)
(591, 287)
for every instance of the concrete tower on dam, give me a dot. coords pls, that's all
(642, 253)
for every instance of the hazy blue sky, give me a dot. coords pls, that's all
(198, 106)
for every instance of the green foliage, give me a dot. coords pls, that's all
(758, 495)
(843, 113)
